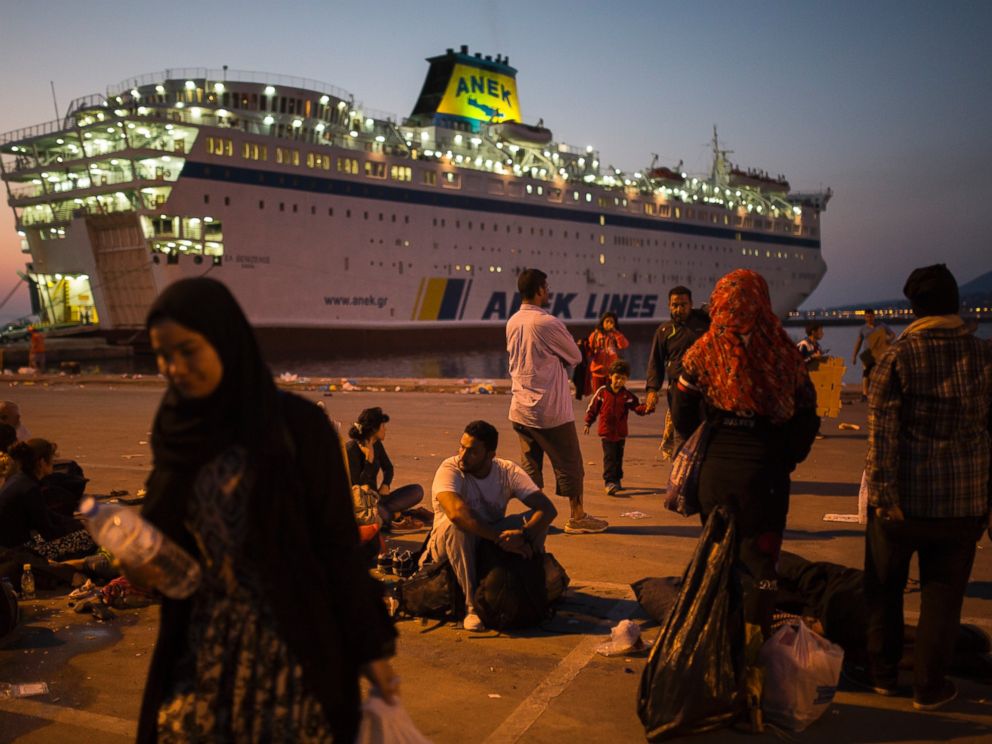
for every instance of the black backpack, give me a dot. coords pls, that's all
(432, 591)
(512, 591)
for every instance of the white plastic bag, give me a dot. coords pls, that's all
(383, 723)
(801, 674)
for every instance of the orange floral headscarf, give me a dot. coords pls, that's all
(746, 362)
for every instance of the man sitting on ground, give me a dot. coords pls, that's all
(470, 494)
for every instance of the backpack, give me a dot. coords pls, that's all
(431, 592)
(511, 591)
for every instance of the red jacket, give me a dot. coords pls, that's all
(604, 349)
(613, 409)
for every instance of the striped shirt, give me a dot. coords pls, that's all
(929, 425)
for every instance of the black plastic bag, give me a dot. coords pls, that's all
(692, 681)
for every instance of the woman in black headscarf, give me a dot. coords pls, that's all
(251, 482)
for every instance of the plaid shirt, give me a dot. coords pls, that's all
(929, 425)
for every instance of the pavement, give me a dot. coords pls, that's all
(547, 684)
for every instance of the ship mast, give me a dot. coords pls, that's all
(720, 172)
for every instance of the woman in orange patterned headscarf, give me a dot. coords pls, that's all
(746, 378)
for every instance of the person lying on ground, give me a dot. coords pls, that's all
(366, 459)
(470, 493)
(24, 519)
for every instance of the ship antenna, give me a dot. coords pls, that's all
(718, 174)
(55, 101)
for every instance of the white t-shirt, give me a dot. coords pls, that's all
(488, 496)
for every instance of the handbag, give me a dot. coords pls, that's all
(366, 503)
(682, 494)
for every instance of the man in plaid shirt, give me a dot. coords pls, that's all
(928, 483)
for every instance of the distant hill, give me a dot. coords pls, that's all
(976, 292)
(980, 285)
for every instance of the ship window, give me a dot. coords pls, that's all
(347, 213)
(318, 161)
(261, 204)
(365, 215)
(330, 211)
(220, 146)
(401, 173)
(430, 177)
(254, 151)
(287, 156)
(348, 165)
(227, 201)
(406, 219)
(206, 198)
(375, 169)
(313, 209)
(294, 209)
(452, 180)
(380, 216)
(588, 197)
(282, 206)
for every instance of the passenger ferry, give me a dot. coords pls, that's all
(319, 212)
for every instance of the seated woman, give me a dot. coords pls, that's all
(24, 519)
(366, 458)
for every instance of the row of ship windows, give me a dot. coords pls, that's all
(618, 240)
(224, 146)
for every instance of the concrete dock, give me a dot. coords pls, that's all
(543, 685)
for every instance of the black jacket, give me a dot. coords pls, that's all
(365, 473)
(671, 341)
(22, 509)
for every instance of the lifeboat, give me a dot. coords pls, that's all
(758, 180)
(666, 176)
(521, 134)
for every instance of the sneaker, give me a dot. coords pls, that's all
(937, 700)
(585, 525)
(473, 622)
(859, 677)
(611, 489)
(404, 526)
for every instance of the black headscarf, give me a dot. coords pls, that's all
(187, 433)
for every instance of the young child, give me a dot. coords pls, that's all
(809, 347)
(613, 403)
(605, 343)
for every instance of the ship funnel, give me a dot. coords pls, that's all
(466, 91)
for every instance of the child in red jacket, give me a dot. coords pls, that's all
(613, 403)
(605, 344)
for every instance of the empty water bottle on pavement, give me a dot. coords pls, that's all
(149, 558)
(27, 582)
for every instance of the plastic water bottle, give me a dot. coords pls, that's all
(149, 557)
(27, 582)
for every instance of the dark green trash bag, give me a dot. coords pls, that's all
(692, 681)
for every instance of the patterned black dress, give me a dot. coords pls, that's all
(237, 679)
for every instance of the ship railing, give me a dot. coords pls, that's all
(223, 76)
(38, 130)
(83, 102)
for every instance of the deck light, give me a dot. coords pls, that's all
(353, 133)
(380, 138)
(268, 119)
(297, 123)
(320, 127)
(160, 89)
(269, 90)
(135, 93)
(324, 100)
(190, 85)
(218, 87)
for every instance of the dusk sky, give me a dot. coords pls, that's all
(887, 103)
